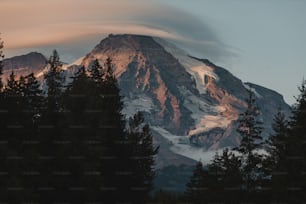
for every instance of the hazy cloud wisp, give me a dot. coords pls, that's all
(43, 24)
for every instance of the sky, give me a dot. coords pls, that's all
(260, 41)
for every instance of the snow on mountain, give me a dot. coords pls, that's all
(191, 104)
(181, 146)
(197, 69)
(250, 88)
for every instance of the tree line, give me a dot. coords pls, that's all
(70, 143)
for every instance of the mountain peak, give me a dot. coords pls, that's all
(25, 64)
(128, 42)
(182, 94)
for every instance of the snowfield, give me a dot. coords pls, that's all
(185, 149)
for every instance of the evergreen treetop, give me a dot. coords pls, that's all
(1, 65)
(55, 82)
(195, 189)
(250, 128)
(96, 71)
(276, 141)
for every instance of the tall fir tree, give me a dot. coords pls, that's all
(274, 164)
(294, 163)
(96, 71)
(197, 188)
(250, 128)
(127, 161)
(1, 65)
(32, 100)
(12, 99)
(51, 128)
(2, 108)
(225, 177)
(275, 144)
(55, 82)
(71, 146)
(112, 127)
(4, 133)
(141, 159)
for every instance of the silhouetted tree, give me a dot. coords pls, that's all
(294, 164)
(55, 82)
(96, 72)
(112, 130)
(141, 159)
(1, 65)
(196, 190)
(51, 128)
(225, 177)
(250, 129)
(274, 164)
(4, 134)
(12, 98)
(71, 146)
(276, 141)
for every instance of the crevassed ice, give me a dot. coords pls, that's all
(194, 67)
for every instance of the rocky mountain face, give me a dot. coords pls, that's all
(191, 104)
(24, 64)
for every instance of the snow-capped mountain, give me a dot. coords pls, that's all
(191, 104)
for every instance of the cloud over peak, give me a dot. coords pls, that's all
(44, 23)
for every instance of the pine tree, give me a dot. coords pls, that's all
(274, 164)
(51, 130)
(54, 81)
(127, 161)
(4, 133)
(112, 128)
(11, 87)
(33, 93)
(276, 142)
(96, 71)
(227, 167)
(294, 163)
(2, 107)
(71, 146)
(141, 159)
(196, 188)
(225, 178)
(250, 128)
(12, 99)
(1, 65)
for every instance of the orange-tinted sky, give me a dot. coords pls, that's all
(27, 23)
